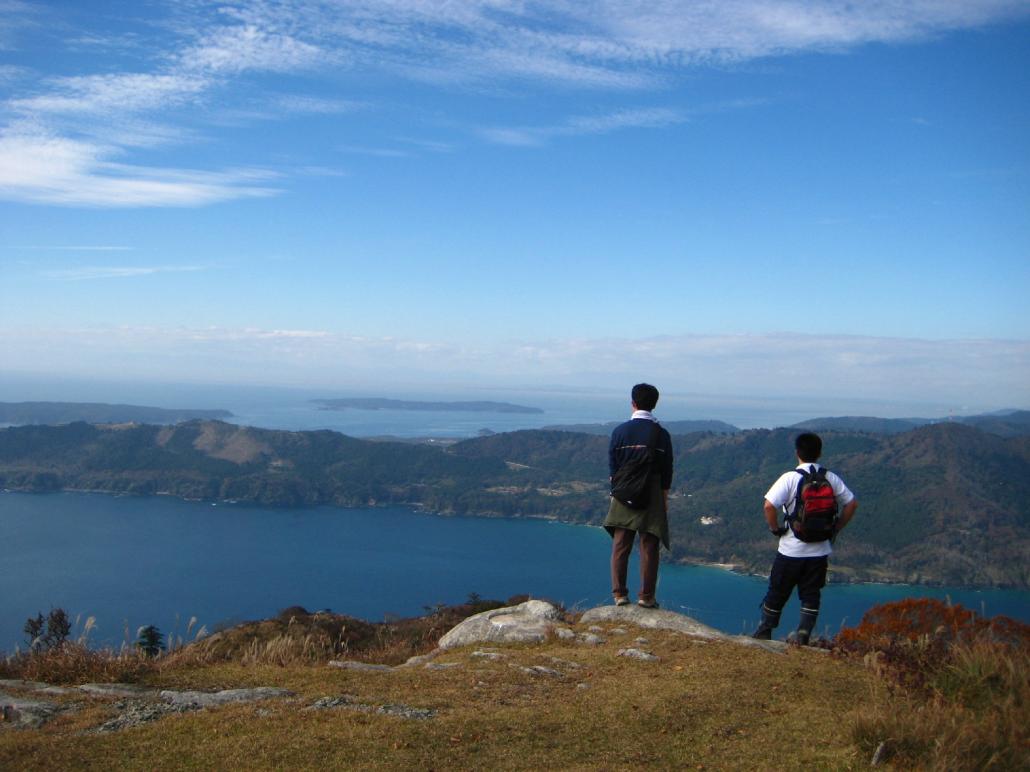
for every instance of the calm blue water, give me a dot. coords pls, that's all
(135, 561)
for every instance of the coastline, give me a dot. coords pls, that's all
(417, 508)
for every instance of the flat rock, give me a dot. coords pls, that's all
(591, 639)
(659, 619)
(117, 690)
(24, 713)
(138, 712)
(350, 702)
(211, 699)
(564, 633)
(528, 622)
(421, 659)
(347, 664)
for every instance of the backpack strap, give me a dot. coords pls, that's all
(805, 476)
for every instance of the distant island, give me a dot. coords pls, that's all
(673, 427)
(377, 403)
(22, 413)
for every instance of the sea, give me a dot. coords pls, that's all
(124, 562)
(185, 566)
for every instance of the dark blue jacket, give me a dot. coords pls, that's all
(629, 439)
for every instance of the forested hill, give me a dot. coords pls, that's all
(944, 503)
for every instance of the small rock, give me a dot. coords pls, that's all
(564, 633)
(349, 702)
(346, 664)
(538, 670)
(591, 639)
(641, 641)
(565, 663)
(421, 659)
(583, 685)
(618, 631)
(493, 656)
(595, 629)
(637, 654)
(441, 665)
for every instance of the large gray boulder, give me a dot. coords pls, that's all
(659, 619)
(529, 622)
(211, 699)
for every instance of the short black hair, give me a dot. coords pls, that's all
(808, 446)
(645, 396)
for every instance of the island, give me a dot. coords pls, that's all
(22, 413)
(378, 403)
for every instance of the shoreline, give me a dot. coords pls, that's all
(417, 508)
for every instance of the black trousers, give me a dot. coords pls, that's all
(807, 574)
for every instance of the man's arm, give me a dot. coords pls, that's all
(772, 517)
(846, 514)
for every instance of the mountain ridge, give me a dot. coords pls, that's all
(942, 504)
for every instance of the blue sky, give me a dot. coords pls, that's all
(739, 197)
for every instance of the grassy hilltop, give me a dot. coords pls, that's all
(956, 699)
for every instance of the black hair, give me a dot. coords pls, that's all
(808, 446)
(645, 396)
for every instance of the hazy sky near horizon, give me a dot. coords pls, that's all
(740, 197)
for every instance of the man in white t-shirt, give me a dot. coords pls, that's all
(798, 563)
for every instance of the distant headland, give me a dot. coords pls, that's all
(22, 413)
(377, 403)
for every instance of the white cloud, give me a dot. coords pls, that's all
(105, 94)
(116, 272)
(236, 49)
(773, 366)
(526, 136)
(51, 169)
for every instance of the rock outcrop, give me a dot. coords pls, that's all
(529, 622)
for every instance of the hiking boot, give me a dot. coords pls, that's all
(647, 603)
(765, 628)
(799, 637)
(621, 600)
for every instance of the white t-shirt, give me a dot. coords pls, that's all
(783, 495)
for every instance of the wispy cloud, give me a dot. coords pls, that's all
(117, 272)
(649, 118)
(41, 167)
(80, 123)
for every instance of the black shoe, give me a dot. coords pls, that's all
(799, 637)
(762, 634)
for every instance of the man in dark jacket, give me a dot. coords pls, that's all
(629, 441)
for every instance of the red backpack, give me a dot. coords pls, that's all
(815, 508)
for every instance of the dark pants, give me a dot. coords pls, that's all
(622, 546)
(808, 575)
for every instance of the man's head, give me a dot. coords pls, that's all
(809, 447)
(644, 396)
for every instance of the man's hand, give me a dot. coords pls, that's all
(778, 532)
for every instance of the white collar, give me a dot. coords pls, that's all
(643, 414)
(808, 466)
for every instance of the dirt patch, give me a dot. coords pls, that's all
(230, 444)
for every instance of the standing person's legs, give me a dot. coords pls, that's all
(649, 546)
(622, 545)
(811, 580)
(782, 580)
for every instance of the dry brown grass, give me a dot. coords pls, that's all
(973, 714)
(704, 705)
(75, 663)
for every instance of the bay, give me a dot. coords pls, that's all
(131, 561)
